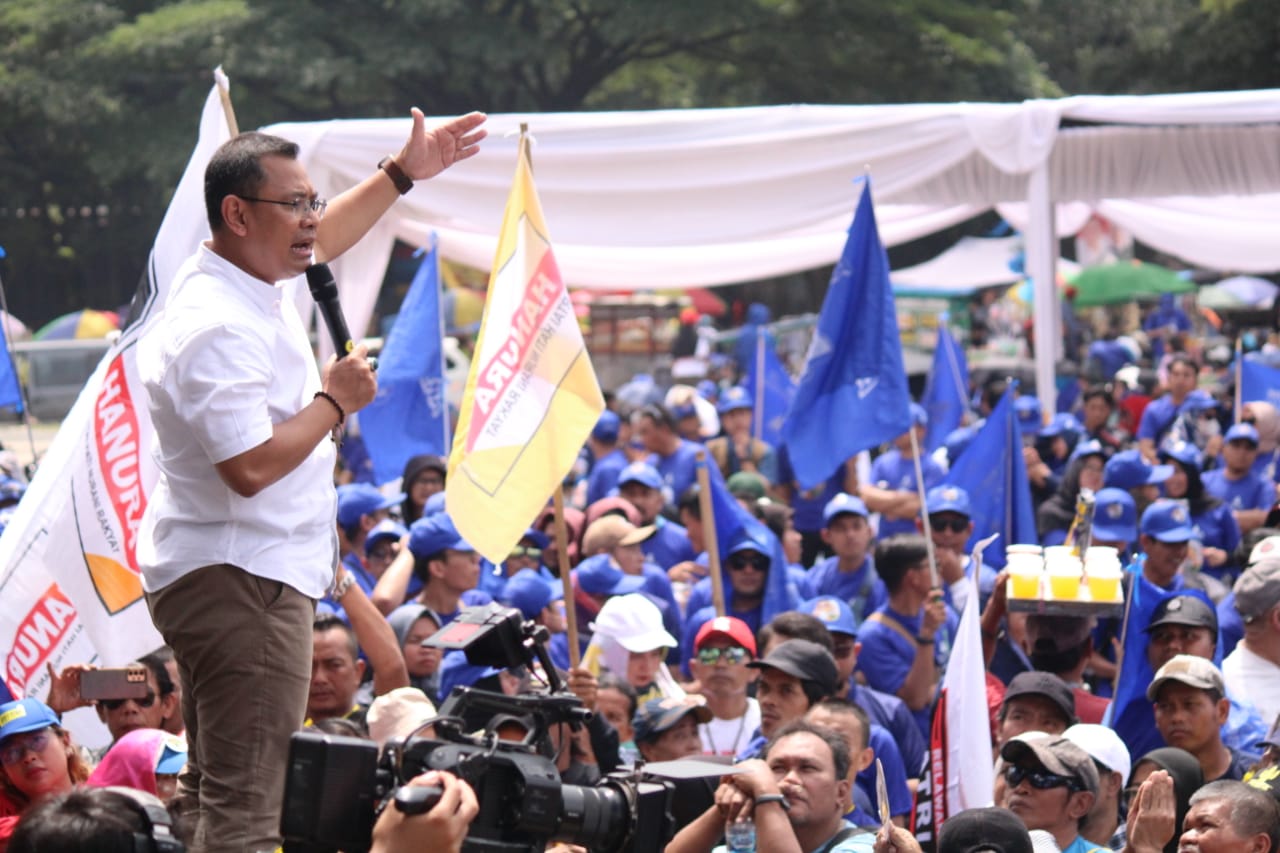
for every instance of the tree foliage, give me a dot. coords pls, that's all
(98, 101)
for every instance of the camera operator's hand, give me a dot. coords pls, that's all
(584, 685)
(443, 828)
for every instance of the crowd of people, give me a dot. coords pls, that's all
(817, 678)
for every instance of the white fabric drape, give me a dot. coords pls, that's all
(680, 198)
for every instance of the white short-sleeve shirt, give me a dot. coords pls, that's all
(228, 360)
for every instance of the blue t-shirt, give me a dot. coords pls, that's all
(892, 470)
(1157, 418)
(1217, 528)
(887, 655)
(1248, 492)
(895, 717)
(668, 545)
(895, 774)
(862, 589)
(1082, 846)
(1267, 466)
(807, 505)
(604, 475)
(679, 470)
(1230, 625)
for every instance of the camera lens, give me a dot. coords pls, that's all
(596, 818)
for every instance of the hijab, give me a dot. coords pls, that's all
(1187, 779)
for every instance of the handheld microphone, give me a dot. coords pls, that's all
(324, 290)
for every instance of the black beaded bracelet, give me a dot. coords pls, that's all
(324, 395)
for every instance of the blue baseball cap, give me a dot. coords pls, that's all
(1115, 516)
(599, 575)
(1199, 400)
(1060, 423)
(529, 592)
(736, 397)
(434, 505)
(919, 417)
(456, 671)
(832, 612)
(1242, 432)
(537, 537)
(707, 389)
(660, 714)
(1027, 410)
(1128, 470)
(435, 533)
(25, 715)
(958, 441)
(747, 542)
(948, 499)
(385, 529)
(1183, 451)
(1088, 447)
(356, 500)
(642, 473)
(607, 428)
(1168, 520)
(842, 503)
(173, 756)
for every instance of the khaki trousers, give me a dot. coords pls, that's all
(243, 648)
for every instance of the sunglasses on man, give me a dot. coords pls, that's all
(730, 654)
(115, 704)
(739, 562)
(1041, 780)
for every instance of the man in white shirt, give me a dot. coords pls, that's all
(238, 539)
(721, 651)
(1252, 671)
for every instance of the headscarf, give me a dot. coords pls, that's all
(1266, 420)
(402, 620)
(1059, 511)
(410, 513)
(1187, 776)
(131, 762)
(607, 505)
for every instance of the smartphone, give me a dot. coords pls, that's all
(124, 683)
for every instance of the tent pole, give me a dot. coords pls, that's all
(1042, 255)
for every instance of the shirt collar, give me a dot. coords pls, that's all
(265, 296)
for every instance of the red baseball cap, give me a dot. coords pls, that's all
(726, 626)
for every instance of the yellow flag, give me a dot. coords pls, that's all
(531, 397)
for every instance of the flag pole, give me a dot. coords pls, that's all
(224, 94)
(709, 538)
(13, 364)
(566, 581)
(1239, 380)
(924, 508)
(445, 440)
(757, 416)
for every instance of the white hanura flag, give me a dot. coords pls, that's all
(958, 773)
(70, 591)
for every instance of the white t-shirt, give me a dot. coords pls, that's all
(227, 361)
(1254, 678)
(729, 737)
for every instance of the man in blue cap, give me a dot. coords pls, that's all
(1115, 521)
(604, 447)
(541, 601)
(447, 565)
(850, 573)
(893, 492)
(360, 508)
(674, 458)
(641, 485)
(1236, 484)
(1128, 470)
(1165, 531)
(736, 450)
(951, 526)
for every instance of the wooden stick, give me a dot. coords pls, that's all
(708, 513)
(570, 605)
(924, 507)
(224, 93)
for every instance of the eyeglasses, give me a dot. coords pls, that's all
(955, 525)
(13, 752)
(730, 654)
(523, 551)
(738, 562)
(115, 704)
(1249, 420)
(1040, 779)
(300, 206)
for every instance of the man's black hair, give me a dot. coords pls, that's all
(84, 820)
(156, 663)
(236, 169)
(1185, 359)
(690, 502)
(330, 622)
(836, 705)
(659, 414)
(1099, 392)
(898, 555)
(794, 625)
(839, 749)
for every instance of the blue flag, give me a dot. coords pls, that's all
(408, 417)
(1259, 382)
(853, 394)
(733, 525)
(1131, 715)
(10, 391)
(772, 390)
(946, 393)
(992, 471)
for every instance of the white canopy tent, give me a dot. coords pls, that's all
(670, 199)
(971, 264)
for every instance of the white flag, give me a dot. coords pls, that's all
(70, 591)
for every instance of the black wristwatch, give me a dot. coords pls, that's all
(923, 640)
(403, 182)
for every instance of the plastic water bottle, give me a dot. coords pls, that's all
(740, 836)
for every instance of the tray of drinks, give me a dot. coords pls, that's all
(1094, 596)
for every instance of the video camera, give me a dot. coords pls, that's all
(336, 786)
